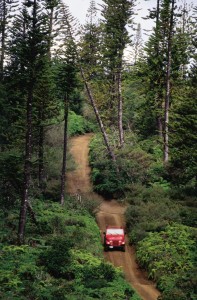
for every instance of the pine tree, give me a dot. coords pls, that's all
(183, 165)
(95, 72)
(46, 107)
(170, 29)
(90, 44)
(117, 15)
(66, 76)
(6, 7)
(137, 44)
(28, 47)
(167, 52)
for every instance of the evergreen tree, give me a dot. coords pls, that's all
(137, 46)
(46, 107)
(28, 47)
(117, 15)
(95, 73)
(183, 164)
(6, 7)
(170, 29)
(67, 79)
(167, 52)
(90, 44)
(183, 167)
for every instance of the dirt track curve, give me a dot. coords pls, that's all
(111, 213)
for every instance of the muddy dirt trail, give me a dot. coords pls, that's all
(111, 213)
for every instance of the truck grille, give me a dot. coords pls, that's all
(115, 243)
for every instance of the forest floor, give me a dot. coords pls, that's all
(110, 213)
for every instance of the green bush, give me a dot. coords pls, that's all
(133, 164)
(149, 211)
(64, 259)
(98, 279)
(138, 193)
(17, 271)
(170, 258)
(57, 258)
(11, 178)
(77, 124)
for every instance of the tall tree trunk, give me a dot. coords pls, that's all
(168, 87)
(92, 101)
(50, 31)
(63, 175)
(27, 169)
(41, 149)
(160, 126)
(28, 138)
(120, 108)
(3, 22)
(160, 108)
(99, 120)
(159, 96)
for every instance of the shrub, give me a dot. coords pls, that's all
(17, 271)
(170, 258)
(77, 124)
(133, 164)
(138, 193)
(151, 212)
(11, 178)
(57, 257)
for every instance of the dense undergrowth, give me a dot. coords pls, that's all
(63, 255)
(160, 218)
(62, 258)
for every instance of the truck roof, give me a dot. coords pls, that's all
(115, 231)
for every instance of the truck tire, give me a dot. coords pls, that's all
(123, 248)
(105, 248)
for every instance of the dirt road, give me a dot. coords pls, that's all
(111, 213)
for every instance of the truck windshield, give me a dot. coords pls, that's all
(114, 231)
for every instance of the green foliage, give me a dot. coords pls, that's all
(78, 125)
(183, 165)
(138, 114)
(103, 171)
(63, 259)
(137, 163)
(57, 257)
(170, 258)
(11, 178)
(18, 270)
(100, 279)
(150, 211)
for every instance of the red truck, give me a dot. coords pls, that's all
(114, 238)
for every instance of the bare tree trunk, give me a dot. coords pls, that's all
(160, 108)
(63, 175)
(159, 96)
(28, 139)
(3, 22)
(50, 31)
(160, 126)
(41, 154)
(41, 146)
(92, 101)
(99, 120)
(168, 88)
(32, 213)
(120, 108)
(27, 170)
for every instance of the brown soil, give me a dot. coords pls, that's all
(111, 212)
